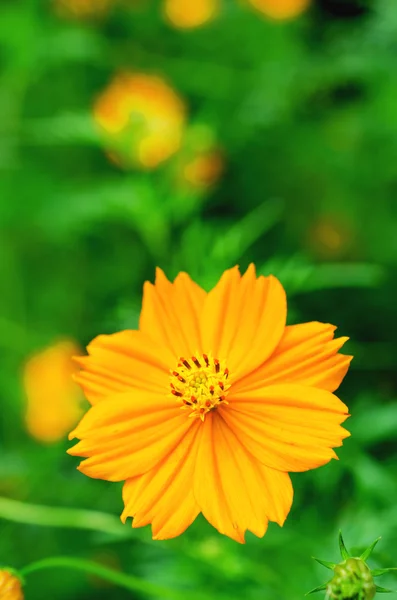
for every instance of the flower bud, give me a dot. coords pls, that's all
(352, 579)
(10, 586)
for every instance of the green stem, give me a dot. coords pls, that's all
(129, 582)
(73, 518)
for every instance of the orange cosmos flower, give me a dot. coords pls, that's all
(10, 586)
(187, 15)
(142, 119)
(281, 9)
(53, 398)
(210, 404)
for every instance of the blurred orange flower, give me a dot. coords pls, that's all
(331, 236)
(204, 169)
(281, 9)
(82, 8)
(10, 586)
(53, 398)
(142, 118)
(187, 15)
(210, 404)
(200, 162)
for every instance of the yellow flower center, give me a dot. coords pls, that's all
(200, 384)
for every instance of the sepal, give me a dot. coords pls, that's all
(379, 572)
(382, 590)
(367, 553)
(343, 551)
(319, 588)
(325, 563)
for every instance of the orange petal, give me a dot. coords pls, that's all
(307, 354)
(163, 496)
(244, 319)
(288, 427)
(269, 491)
(128, 435)
(171, 313)
(123, 361)
(234, 491)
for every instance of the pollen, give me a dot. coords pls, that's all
(200, 383)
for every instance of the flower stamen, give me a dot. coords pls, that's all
(201, 386)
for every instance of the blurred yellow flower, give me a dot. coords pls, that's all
(142, 119)
(53, 398)
(10, 586)
(281, 9)
(82, 8)
(187, 15)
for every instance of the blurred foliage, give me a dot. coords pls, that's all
(303, 114)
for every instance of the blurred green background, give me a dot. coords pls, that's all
(299, 119)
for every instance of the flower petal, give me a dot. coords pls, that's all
(234, 491)
(171, 313)
(244, 319)
(288, 427)
(123, 361)
(128, 435)
(163, 496)
(307, 354)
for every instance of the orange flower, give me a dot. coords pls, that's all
(200, 162)
(10, 586)
(53, 398)
(204, 170)
(210, 404)
(142, 119)
(188, 15)
(281, 9)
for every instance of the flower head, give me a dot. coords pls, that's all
(142, 119)
(53, 398)
(10, 585)
(281, 9)
(210, 404)
(189, 15)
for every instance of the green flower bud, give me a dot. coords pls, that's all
(353, 579)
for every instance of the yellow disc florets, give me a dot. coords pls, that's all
(200, 384)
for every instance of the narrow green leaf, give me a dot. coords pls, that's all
(378, 572)
(343, 551)
(369, 550)
(320, 588)
(325, 563)
(382, 590)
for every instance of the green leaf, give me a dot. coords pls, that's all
(379, 572)
(365, 555)
(325, 563)
(343, 551)
(320, 588)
